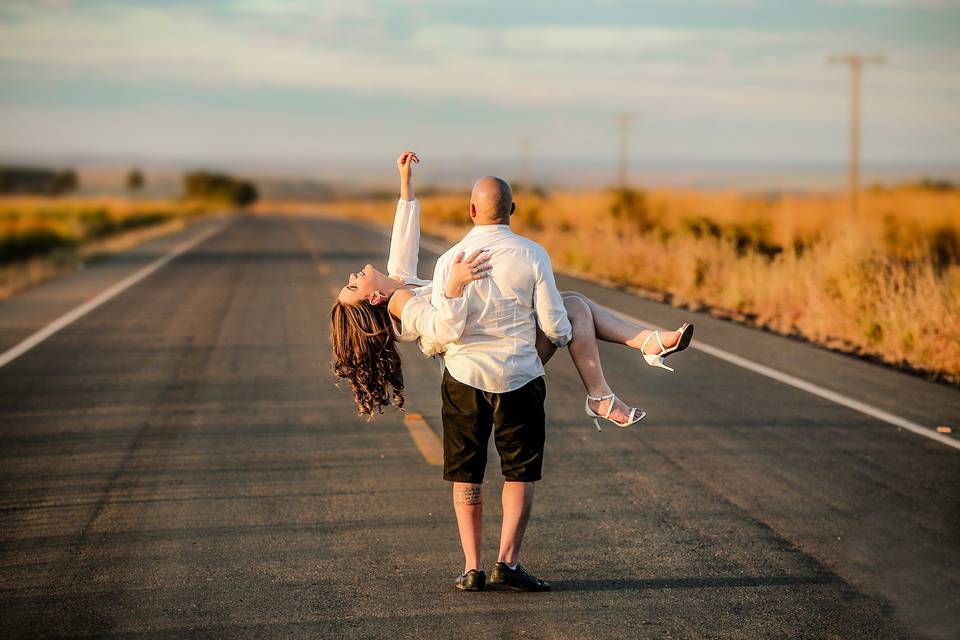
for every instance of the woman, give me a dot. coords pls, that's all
(364, 323)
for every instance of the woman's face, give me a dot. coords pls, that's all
(367, 284)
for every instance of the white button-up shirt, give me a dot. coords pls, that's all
(496, 350)
(420, 321)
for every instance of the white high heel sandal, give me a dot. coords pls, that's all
(632, 419)
(656, 359)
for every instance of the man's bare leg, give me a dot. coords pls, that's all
(468, 505)
(517, 504)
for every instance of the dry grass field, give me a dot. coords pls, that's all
(886, 285)
(43, 237)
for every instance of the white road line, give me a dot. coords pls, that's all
(809, 387)
(773, 374)
(30, 342)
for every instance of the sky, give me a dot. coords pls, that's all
(297, 83)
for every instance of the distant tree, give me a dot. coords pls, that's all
(539, 191)
(245, 193)
(219, 187)
(630, 206)
(37, 181)
(135, 180)
(64, 182)
(933, 184)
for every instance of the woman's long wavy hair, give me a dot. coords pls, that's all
(365, 354)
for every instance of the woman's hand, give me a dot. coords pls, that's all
(405, 168)
(465, 271)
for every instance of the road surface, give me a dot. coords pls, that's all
(178, 463)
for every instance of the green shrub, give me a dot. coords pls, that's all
(533, 218)
(46, 182)
(630, 206)
(219, 187)
(21, 245)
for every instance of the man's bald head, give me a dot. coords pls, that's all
(491, 201)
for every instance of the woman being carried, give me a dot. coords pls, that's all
(374, 310)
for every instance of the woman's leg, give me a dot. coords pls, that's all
(586, 357)
(613, 328)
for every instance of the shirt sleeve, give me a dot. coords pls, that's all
(405, 242)
(551, 313)
(436, 327)
(440, 274)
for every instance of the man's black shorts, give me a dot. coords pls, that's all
(518, 423)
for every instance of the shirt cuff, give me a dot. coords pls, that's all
(561, 341)
(451, 307)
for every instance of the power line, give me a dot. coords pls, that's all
(856, 62)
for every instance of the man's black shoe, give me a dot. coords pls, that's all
(473, 580)
(517, 579)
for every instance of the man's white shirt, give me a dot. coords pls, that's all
(496, 318)
(489, 333)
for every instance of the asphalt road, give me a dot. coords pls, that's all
(177, 463)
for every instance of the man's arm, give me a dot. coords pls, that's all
(548, 303)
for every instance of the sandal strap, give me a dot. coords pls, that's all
(600, 398)
(606, 416)
(613, 403)
(652, 334)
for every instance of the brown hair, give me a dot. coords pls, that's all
(365, 354)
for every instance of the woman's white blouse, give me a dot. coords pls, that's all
(419, 320)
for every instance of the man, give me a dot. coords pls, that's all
(494, 378)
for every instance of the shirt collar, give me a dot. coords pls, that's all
(485, 229)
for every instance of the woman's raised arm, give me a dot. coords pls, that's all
(405, 239)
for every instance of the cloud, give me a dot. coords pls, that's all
(219, 56)
(901, 4)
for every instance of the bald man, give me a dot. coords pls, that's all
(493, 381)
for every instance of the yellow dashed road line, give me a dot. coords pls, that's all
(424, 437)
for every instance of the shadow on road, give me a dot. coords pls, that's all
(692, 583)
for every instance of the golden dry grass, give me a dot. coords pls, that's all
(886, 285)
(43, 237)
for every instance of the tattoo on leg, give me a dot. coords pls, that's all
(469, 495)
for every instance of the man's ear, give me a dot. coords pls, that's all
(473, 211)
(513, 207)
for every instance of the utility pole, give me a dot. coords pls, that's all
(525, 163)
(624, 119)
(856, 62)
